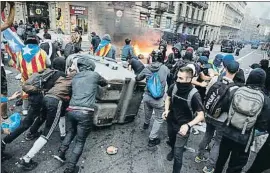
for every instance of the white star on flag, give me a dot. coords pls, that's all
(12, 44)
(26, 50)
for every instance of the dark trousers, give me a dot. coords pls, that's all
(179, 149)
(81, 125)
(53, 109)
(261, 163)
(35, 102)
(238, 157)
(172, 132)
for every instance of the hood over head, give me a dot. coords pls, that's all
(200, 50)
(155, 66)
(85, 64)
(59, 64)
(188, 56)
(178, 46)
(256, 77)
(239, 77)
(107, 37)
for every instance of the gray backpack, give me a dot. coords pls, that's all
(190, 96)
(245, 108)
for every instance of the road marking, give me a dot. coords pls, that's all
(240, 59)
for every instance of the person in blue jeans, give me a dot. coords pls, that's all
(80, 110)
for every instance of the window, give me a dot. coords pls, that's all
(171, 6)
(194, 31)
(157, 21)
(203, 15)
(168, 22)
(180, 9)
(198, 13)
(192, 14)
(187, 11)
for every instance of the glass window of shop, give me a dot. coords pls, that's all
(79, 17)
(38, 12)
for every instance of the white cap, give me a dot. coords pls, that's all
(192, 66)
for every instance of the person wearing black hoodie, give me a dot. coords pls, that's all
(95, 41)
(163, 48)
(171, 60)
(175, 55)
(236, 143)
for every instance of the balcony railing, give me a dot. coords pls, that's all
(146, 4)
(161, 7)
(200, 4)
(192, 21)
(171, 9)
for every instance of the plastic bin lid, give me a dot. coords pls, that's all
(109, 68)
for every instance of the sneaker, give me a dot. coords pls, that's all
(199, 159)
(170, 156)
(30, 136)
(145, 126)
(60, 157)
(62, 137)
(24, 112)
(208, 170)
(153, 142)
(27, 166)
(169, 143)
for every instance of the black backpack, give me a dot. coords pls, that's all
(36, 82)
(215, 97)
(69, 49)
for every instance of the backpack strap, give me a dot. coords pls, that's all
(174, 91)
(190, 96)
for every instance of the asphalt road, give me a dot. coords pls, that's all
(133, 154)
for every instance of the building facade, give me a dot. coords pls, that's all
(214, 16)
(233, 16)
(190, 18)
(207, 20)
(249, 27)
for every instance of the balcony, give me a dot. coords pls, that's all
(161, 7)
(200, 4)
(171, 9)
(146, 4)
(120, 5)
(190, 21)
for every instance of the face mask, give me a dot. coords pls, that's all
(183, 87)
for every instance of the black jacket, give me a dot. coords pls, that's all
(171, 58)
(95, 42)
